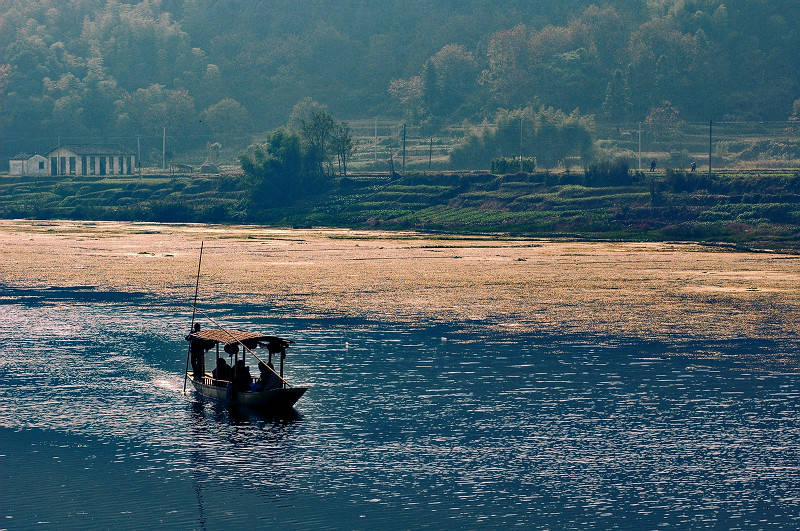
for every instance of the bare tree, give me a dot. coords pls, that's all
(342, 144)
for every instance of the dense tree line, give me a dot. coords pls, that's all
(548, 134)
(204, 68)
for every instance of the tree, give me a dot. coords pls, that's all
(449, 78)
(508, 73)
(227, 117)
(5, 73)
(664, 122)
(149, 110)
(617, 105)
(342, 144)
(551, 136)
(315, 125)
(409, 93)
(274, 169)
(795, 111)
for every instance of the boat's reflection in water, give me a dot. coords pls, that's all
(205, 409)
(245, 434)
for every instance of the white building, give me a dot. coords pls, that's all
(91, 160)
(26, 164)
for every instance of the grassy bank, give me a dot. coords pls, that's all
(757, 208)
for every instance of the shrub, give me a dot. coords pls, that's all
(608, 173)
(679, 181)
(504, 165)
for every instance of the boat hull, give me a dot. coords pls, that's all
(272, 399)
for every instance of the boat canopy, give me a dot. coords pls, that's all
(249, 339)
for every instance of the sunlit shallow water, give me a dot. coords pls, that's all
(403, 427)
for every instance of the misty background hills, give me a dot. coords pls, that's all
(203, 68)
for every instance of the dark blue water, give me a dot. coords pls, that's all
(422, 427)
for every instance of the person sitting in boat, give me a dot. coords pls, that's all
(222, 372)
(268, 379)
(198, 351)
(241, 376)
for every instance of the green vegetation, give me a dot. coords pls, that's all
(296, 161)
(606, 201)
(561, 83)
(504, 165)
(211, 71)
(554, 136)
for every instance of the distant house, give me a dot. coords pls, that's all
(27, 164)
(91, 160)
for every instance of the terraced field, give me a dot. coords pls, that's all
(755, 208)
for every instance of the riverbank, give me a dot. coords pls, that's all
(758, 209)
(645, 290)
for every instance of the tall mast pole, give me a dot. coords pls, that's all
(194, 310)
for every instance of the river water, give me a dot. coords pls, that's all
(422, 426)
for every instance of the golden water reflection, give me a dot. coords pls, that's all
(517, 285)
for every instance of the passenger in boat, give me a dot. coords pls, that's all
(267, 377)
(222, 372)
(198, 352)
(241, 376)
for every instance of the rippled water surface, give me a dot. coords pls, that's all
(403, 427)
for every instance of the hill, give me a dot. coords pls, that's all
(206, 71)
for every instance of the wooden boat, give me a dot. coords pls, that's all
(233, 383)
(236, 385)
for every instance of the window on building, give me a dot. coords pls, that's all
(41, 164)
(72, 165)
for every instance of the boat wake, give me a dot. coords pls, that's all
(168, 383)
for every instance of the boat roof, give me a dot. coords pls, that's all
(229, 335)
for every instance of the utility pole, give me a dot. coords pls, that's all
(164, 150)
(375, 150)
(710, 125)
(404, 149)
(430, 154)
(139, 154)
(640, 146)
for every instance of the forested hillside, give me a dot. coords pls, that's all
(203, 68)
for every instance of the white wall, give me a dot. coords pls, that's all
(16, 167)
(32, 166)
